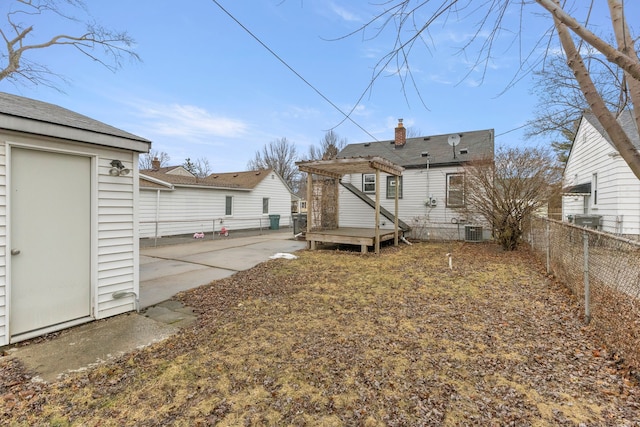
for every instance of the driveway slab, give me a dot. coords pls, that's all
(164, 271)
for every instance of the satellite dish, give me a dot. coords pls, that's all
(454, 140)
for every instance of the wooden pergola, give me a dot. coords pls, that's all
(336, 169)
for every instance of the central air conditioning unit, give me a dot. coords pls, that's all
(473, 233)
(588, 221)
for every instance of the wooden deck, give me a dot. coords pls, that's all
(364, 237)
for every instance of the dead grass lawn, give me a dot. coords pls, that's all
(338, 338)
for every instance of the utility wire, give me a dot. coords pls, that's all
(347, 116)
(513, 130)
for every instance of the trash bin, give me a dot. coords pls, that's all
(274, 222)
(299, 223)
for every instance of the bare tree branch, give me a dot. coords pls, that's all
(612, 54)
(145, 162)
(104, 46)
(279, 155)
(509, 188)
(620, 139)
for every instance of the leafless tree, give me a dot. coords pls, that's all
(200, 168)
(506, 190)
(414, 19)
(146, 160)
(279, 155)
(102, 45)
(561, 102)
(328, 148)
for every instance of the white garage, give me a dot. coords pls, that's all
(68, 221)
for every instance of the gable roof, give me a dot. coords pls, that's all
(626, 120)
(246, 180)
(36, 117)
(473, 145)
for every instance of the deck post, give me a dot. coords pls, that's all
(310, 245)
(377, 228)
(395, 214)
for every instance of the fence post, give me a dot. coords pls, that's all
(587, 302)
(548, 227)
(213, 235)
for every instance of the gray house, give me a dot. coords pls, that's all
(431, 188)
(68, 221)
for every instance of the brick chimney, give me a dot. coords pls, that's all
(155, 164)
(401, 135)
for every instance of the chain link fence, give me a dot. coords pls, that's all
(603, 272)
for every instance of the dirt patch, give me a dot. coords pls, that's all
(335, 338)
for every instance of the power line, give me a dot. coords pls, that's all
(347, 116)
(512, 130)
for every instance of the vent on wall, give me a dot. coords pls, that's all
(472, 233)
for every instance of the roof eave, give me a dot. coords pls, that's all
(35, 127)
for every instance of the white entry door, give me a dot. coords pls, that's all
(50, 239)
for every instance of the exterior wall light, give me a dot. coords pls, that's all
(117, 168)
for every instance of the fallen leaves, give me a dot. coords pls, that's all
(339, 338)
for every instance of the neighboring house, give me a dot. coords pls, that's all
(173, 201)
(431, 188)
(298, 204)
(68, 226)
(598, 183)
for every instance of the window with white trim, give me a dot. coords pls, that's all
(455, 189)
(369, 182)
(594, 188)
(265, 205)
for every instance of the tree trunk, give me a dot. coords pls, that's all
(618, 136)
(612, 54)
(626, 46)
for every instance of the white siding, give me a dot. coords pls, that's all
(187, 210)
(117, 251)
(419, 186)
(114, 237)
(618, 188)
(181, 211)
(4, 315)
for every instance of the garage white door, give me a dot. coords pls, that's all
(50, 206)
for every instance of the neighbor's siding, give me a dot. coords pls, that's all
(187, 210)
(618, 188)
(181, 211)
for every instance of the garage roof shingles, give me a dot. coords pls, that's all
(15, 109)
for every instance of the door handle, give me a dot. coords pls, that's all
(15, 251)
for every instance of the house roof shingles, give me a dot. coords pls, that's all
(626, 120)
(473, 145)
(246, 180)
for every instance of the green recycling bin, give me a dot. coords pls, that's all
(275, 222)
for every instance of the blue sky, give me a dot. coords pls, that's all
(206, 89)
